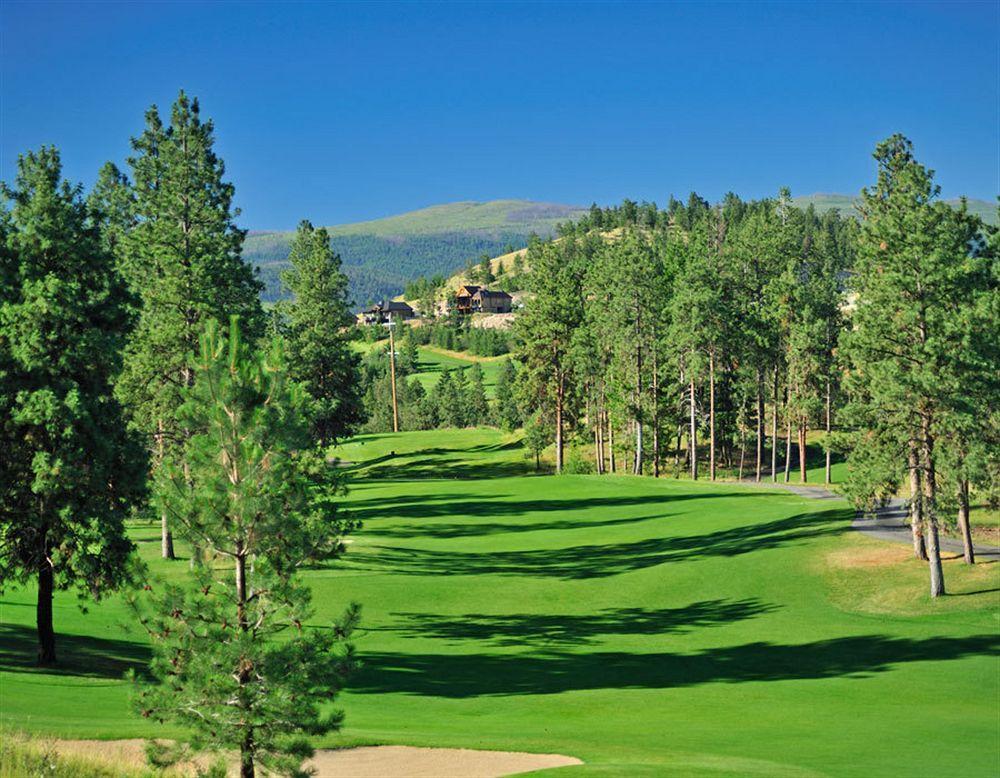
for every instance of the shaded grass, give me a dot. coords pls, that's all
(646, 627)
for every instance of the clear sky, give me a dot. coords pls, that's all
(341, 112)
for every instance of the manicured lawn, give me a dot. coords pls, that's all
(646, 627)
(433, 362)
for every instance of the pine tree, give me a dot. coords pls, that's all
(506, 414)
(914, 266)
(70, 470)
(546, 331)
(182, 258)
(315, 323)
(475, 400)
(233, 664)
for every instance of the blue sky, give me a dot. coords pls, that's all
(341, 112)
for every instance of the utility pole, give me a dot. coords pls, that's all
(392, 374)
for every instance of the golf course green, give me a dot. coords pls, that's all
(647, 627)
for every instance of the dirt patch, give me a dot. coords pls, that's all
(367, 762)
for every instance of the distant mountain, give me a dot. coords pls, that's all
(985, 210)
(381, 255)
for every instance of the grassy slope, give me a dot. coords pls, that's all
(433, 361)
(987, 211)
(648, 627)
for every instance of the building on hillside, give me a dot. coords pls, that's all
(479, 299)
(463, 298)
(380, 312)
(486, 301)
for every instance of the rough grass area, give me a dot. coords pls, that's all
(22, 756)
(649, 628)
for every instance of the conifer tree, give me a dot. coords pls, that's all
(914, 265)
(477, 407)
(182, 258)
(233, 662)
(546, 330)
(507, 414)
(315, 324)
(69, 469)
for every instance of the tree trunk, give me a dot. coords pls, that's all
(598, 461)
(743, 450)
(930, 507)
(774, 431)
(43, 613)
(711, 415)
(243, 675)
(788, 445)
(829, 429)
(637, 465)
(916, 507)
(656, 418)
(559, 436)
(963, 521)
(611, 443)
(166, 537)
(693, 443)
(760, 424)
(802, 448)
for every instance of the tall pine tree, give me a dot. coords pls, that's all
(182, 258)
(315, 323)
(70, 470)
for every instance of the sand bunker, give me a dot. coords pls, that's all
(367, 762)
(409, 762)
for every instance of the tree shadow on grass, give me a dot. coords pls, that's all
(479, 675)
(471, 529)
(493, 504)
(79, 655)
(599, 561)
(574, 629)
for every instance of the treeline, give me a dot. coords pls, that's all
(694, 330)
(140, 377)
(459, 336)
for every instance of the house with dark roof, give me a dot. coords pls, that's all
(381, 312)
(478, 299)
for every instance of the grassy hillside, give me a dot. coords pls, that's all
(846, 205)
(380, 256)
(648, 627)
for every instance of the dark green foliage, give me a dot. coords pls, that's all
(458, 336)
(69, 469)
(478, 410)
(378, 267)
(912, 360)
(315, 325)
(233, 660)
(182, 257)
(506, 413)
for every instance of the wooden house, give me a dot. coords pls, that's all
(478, 299)
(380, 312)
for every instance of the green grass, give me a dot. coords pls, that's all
(432, 363)
(648, 627)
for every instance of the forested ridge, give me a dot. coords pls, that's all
(380, 257)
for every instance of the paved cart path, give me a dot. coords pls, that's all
(890, 522)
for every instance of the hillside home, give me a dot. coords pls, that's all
(479, 299)
(380, 312)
